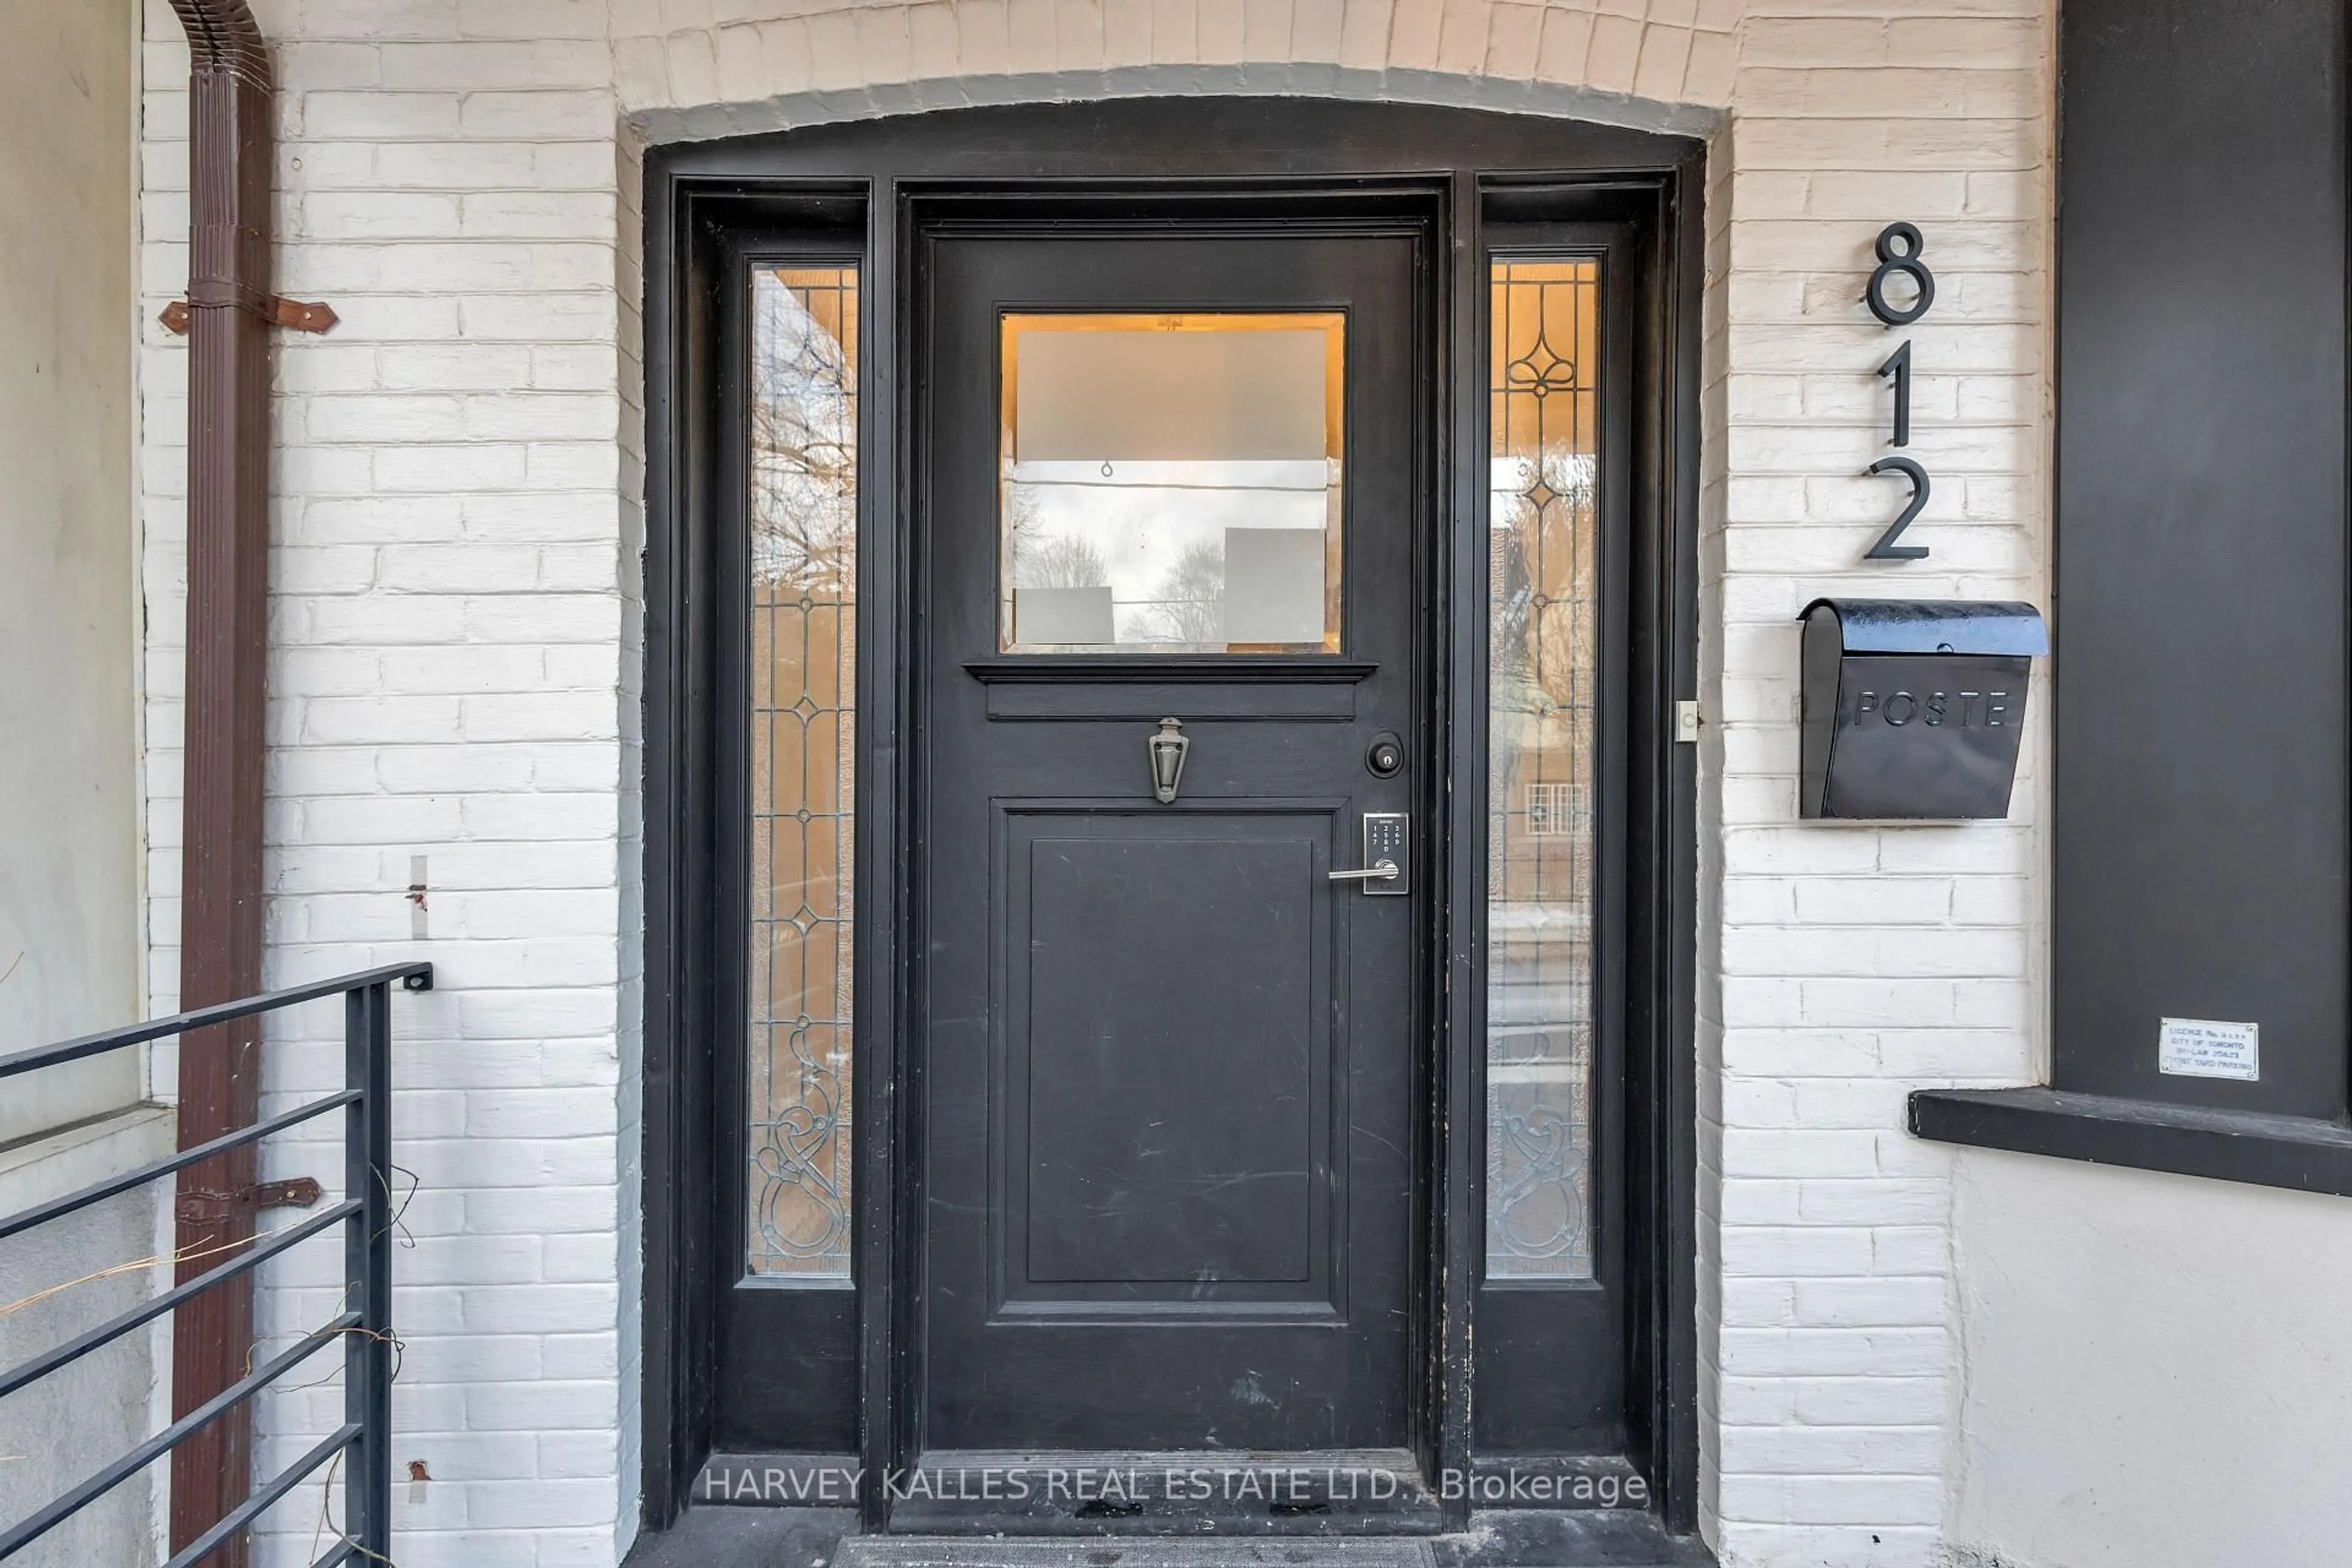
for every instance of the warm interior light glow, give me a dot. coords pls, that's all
(1172, 483)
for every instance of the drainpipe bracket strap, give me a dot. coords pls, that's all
(202, 1204)
(301, 317)
(294, 315)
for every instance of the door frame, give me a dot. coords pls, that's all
(1398, 216)
(707, 207)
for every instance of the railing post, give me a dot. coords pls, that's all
(367, 1352)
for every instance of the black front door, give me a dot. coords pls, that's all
(1168, 1066)
(1016, 1097)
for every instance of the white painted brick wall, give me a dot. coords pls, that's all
(459, 633)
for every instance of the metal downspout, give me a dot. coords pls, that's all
(230, 153)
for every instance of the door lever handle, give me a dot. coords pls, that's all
(1387, 853)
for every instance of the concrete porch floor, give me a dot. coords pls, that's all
(725, 1537)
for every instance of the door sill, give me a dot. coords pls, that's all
(717, 1536)
(1359, 1491)
(1132, 1551)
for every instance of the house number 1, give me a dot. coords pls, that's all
(1898, 249)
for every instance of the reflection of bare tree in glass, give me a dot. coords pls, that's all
(1056, 560)
(1556, 500)
(802, 486)
(1538, 1111)
(803, 449)
(1191, 600)
(1043, 560)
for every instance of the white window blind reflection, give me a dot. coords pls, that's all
(1171, 484)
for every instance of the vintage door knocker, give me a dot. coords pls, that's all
(1168, 748)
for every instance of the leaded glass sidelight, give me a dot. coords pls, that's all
(1544, 409)
(803, 643)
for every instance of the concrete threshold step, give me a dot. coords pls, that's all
(741, 1537)
(1131, 1551)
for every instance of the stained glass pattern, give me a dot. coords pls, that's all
(804, 478)
(1541, 605)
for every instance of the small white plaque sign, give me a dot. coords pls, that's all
(2199, 1048)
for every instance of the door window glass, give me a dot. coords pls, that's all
(1171, 483)
(1541, 597)
(803, 508)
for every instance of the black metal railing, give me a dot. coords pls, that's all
(365, 1326)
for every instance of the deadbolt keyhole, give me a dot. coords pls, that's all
(1385, 758)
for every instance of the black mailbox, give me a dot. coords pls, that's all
(1914, 708)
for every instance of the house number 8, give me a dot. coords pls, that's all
(1906, 262)
(1898, 249)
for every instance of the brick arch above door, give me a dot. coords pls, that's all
(775, 64)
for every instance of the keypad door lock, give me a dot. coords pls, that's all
(1388, 856)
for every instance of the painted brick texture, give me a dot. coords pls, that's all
(457, 637)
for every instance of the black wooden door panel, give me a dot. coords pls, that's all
(1122, 1179)
(1168, 1068)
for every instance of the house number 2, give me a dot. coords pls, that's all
(1898, 249)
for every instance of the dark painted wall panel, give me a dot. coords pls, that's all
(2202, 597)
